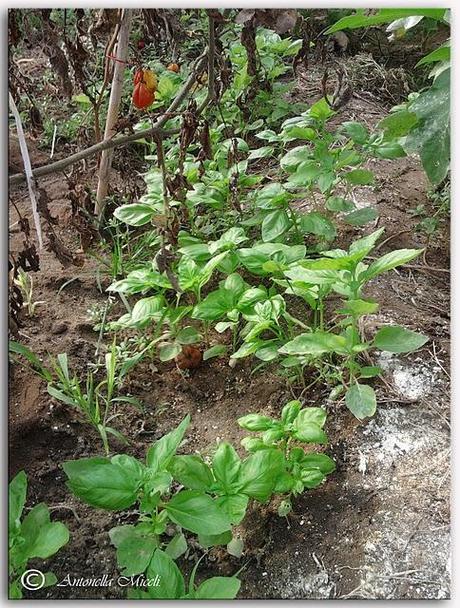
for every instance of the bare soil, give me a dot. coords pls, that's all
(378, 528)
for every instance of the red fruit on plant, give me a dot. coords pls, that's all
(142, 96)
(138, 76)
(189, 358)
(140, 44)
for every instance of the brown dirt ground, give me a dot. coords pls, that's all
(379, 526)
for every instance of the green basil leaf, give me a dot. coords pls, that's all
(134, 549)
(218, 588)
(37, 518)
(262, 152)
(17, 492)
(430, 137)
(215, 351)
(252, 444)
(234, 505)
(359, 307)
(103, 483)
(388, 262)
(163, 569)
(359, 177)
(355, 131)
(140, 280)
(136, 214)
(311, 478)
(397, 124)
(169, 351)
(214, 540)
(311, 414)
(390, 149)
(226, 465)
(162, 451)
(188, 335)
(315, 223)
(215, 305)
(370, 371)
(360, 217)
(315, 343)
(191, 471)
(396, 339)
(197, 512)
(146, 309)
(318, 461)
(177, 546)
(290, 411)
(259, 473)
(361, 401)
(275, 224)
(384, 15)
(294, 157)
(442, 53)
(337, 204)
(309, 432)
(256, 422)
(50, 538)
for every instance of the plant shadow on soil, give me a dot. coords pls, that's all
(379, 526)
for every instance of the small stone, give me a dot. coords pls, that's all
(59, 327)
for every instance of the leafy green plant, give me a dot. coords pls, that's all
(385, 15)
(33, 536)
(345, 273)
(93, 400)
(215, 496)
(233, 298)
(191, 277)
(302, 470)
(269, 105)
(266, 472)
(422, 124)
(171, 583)
(24, 282)
(121, 482)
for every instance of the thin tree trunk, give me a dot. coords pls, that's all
(114, 104)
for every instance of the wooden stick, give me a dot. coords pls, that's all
(28, 169)
(114, 106)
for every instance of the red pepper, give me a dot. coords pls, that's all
(138, 76)
(142, 96)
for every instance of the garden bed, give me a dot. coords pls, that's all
(378, 528)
